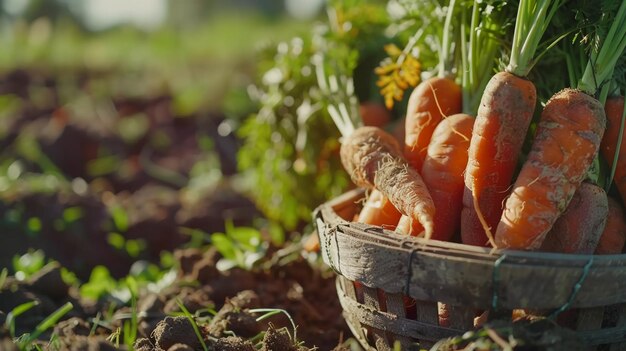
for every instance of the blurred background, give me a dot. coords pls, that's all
(130, 128)
(117, 122)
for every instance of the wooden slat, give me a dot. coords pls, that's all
(589, 320)
(400, 326)
(395, 306)
(621, 322)
(370, 297)
(461, 318)
(346, 289)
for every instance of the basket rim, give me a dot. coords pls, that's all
(430, 269)
(337, 220)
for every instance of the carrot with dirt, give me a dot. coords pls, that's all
(567, 141)
(447, 154)
(506, 109)
(579, 228)
(613, 237)
(377, 209)
(373, 159)
(566, 144)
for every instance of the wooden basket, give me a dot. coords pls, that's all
(466, 278)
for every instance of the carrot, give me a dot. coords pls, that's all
(373, 159)
(431, 101)
(579, 228)
(443, 171)
(613, 237)
(409, 227)
(614, 109)
(504, 115)
(374, 114)
(378, 210)
(568, 138)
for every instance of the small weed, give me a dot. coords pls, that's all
(268, 312)
(25, 341)
(193, 323)
(3, 276)
(16, 312)
(114, 338)
(239, 246)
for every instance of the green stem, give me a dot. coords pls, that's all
(532, 22)
(472, 43)
(465, 64)
(602, 62)
(620, 137)
(482, 44)
(445, 42)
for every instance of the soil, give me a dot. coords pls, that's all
(71, 216)
(304, 292)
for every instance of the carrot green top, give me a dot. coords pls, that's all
(480, 42)
(602, 61)
(533, 17)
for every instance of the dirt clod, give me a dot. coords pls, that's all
(187, 258)
(205, 269)
(233, 343)
(175, 330)
(233, 317)
(143, 344)
(72, 327)
(180, 347)
(278, 340)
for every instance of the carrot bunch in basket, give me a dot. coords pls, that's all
(517, 159)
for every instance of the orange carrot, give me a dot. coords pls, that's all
(613, 237)
(373, 159)
(374, 114)
(503, 118)
(579, 228)
(409, 227)
(567, 141)
(614, 108)
(504, 114)
(378, 210)
(443, 171)
(431, 101)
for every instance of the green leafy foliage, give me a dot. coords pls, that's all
(240, 247)
(290, 145)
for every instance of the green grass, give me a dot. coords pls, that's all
(189, 317)
(26, 341)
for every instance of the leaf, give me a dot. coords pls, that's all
(224, 245)
(247, 238)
